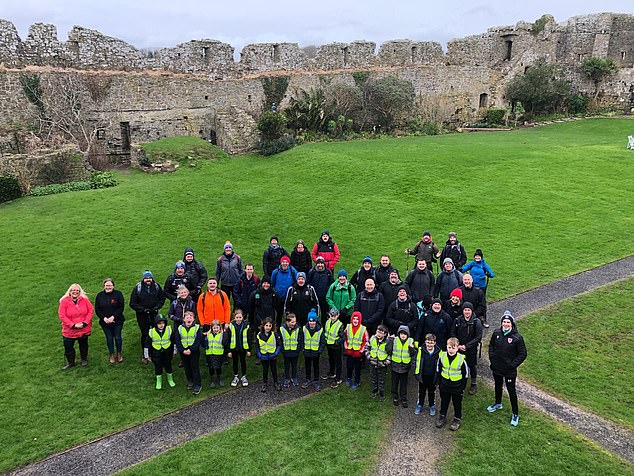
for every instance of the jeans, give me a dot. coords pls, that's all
(113, 336)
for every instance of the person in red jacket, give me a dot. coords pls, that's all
(355, 340)
(75, 311)
(326, 248)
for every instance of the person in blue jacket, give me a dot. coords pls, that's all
(282, 278)
(479, 271)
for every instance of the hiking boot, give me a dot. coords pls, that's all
(515, 420)
(69, 365)
(494, 407)
(404, 403)
(245, 382)
(84, 363)
(111, 359)
(455, 424)
(336, 383)
(278, 387)
(473, 389)
(263, 388)
(306, 384)
(196, 390)
(419, 410)
(395, 402)
(432, 410)
(442, 421)
(286, 383)
(159, 382)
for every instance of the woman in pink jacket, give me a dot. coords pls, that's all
(75, 311)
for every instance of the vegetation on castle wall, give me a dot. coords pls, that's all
(9, 188)
(274, 90)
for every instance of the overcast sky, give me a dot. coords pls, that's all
(159, 23)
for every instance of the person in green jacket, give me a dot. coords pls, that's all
(341, 296)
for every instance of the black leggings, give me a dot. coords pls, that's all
(427, 386)
(239, 357)
(69, 348)
(510, 387)
(353, 367)
(290, 367)
(266, 364)
(448, 395)
(163, 361)
(312, 363)
(143, 320)
(399, 380)
(334, 361)
(472, 363)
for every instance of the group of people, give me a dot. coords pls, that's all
(430, 322)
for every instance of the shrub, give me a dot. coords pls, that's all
(390, 99)
(275, 146)
(578, 103)
(9, 188)
(495, 116)
(272, 125)
(418, 125)
(59, 188)
(102, 180)
(541, 89)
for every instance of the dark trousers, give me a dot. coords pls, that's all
(113, 336)
(378, 375)
(162, 361)
(69, 348)
(266, 365)
(290, 367)
(214, 363)
(472, 363)
(399, 385)
(311, 363)
(510, 387)
(239, 357)
(228, 291)
(427, 386)
(143, 320)
(334, 361)
(191, 367)
(353, 368)
(447, 395)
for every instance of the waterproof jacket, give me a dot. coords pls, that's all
(452, 385)
(302, 261)
(214, 307)
(390, 293)
(229, 269)
(348, 350)
(506, 352)
(402, 313)
(197, 273)
(300, 300)
(243, 290)
(468, 333)
(455, 252)
(198, 339)
(479, 271)
(71, 313)
(425, 251)
(282, 280)
(110, 304)
(428, 362)
(371, 306)
(146, 300)
(341, 297)
(172, 283)
(271, 259)
(475, 296)
(264, 336)
(289, 354)
(439, 324)
(263, 303)
(359, 277)
(447, 282)
(178, 308)
(320, 280)
(383, 273)
(421, 283)
(328, 250)
(400, 367)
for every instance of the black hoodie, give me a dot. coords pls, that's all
(506, 352)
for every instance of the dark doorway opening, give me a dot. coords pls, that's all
(484, 100)
(509, 49)
(125, 137)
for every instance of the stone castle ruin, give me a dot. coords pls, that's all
(197, 88)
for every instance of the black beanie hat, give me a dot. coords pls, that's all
(478, 252)
(467, 305)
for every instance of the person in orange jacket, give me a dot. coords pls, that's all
(213, 305)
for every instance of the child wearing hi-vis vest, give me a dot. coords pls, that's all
(313, 335)
(334, 340)
(355, 339)
(379, 360)
(214, 344)
(267, 347)
(292, 340)
(188, 340)
(402, 350)
(453, 372)
(160, 341)
(426, 365)
(238, 337)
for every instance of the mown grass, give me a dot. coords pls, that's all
(335, 432)
(582, 349)
(487, 444)
(181, 149)
(541, 203)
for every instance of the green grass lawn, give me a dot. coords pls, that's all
(542, 203)
(583, 350)
(335, 432)
(181, 149)
(487, 444)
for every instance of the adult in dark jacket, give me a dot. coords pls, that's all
(109, 306)
(364, 272)
(437, 322)
(271, 256)
(506, 353)
(301, 258)
(263, 302)
(371, 304)
(453, 249)
(228, 269)
(475, 296)
(383, 270)
(320, 278)
(389, 290)
(196, 272)
(425, 249)
(448, 280)
(177, 278)
(146, 300)
(300, 299)
(453, 307)
(180, 306)
(248, 283)
(421, 281)
(468, 329)
(402, 312)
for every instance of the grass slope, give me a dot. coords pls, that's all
(583, 350)
(542, 203)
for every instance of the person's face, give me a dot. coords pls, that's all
(477, 258)
(248, 270)
(467, 280)
(300, 247)
(402, 336)
(284, 265)
(380, 334)
(355, 320)
(422, 264)
(301, 280)
(325, 237)
(342, 280)
(506, 325)
(238, 318)
(393, 278)
(321, 266)
(402, 294)
(426, 239)
(108, 286)
(436, 307)
(147, 280)
(212, 284)
(385, 261)
(292, 322)
(453, 240)
(273, 242)
(189, 258)
(312, 324)
(183, 293)
(215, 328)
(266, 285)
(429, 345)
(75, 292)
(180, 271)
(448, 266)
(334, 318)
(369, 285)
(452, 349)
(454, 300)
(228, 251)
(367, 265)
(160, 325)
(188, 319)
(467, 313)
(268, 326)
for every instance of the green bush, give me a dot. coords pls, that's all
(418, 125)
(495, 116)
(578, 103)
(272, 125)
(9, 188)
(275, 146)
(59, 188)
(102, 180)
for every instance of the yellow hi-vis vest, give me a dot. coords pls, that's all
(188, 336)
(377, 349)
(400, 351)
(245, 341)
(161, 341)
(355, 340)
(312, 342)
(289, 339)
(419, 357)
(451, 371)
(332, 331)
(267, 346)
(214, 346)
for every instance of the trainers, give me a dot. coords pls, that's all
(473, 389)
(278, 387)
(296, 382)
(196, 390)
(395, 402)
(263, 388)
(190, 385)
(348, 382)
(234, 382)
(515, 420)
(286, 383)
(336, 383)
(455, 424)
(494, 407)
(84, 363)
(212, 384)
(404, 403)
(317, 386)
(442, 421)
(221, 383)
(68, 366)
(245, 382)
(374, 394)
(486, 325)
(381, 397)
(306, 384)
(432, 410)
(354, 386)
(419, 410)
(328, 377)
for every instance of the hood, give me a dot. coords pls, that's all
(403, 329)
(357, 313)
(188, 251)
